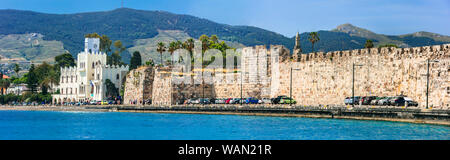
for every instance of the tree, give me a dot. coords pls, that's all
(115, 58)
(172, 47)
(136, 60)
(32, 79)
(105, 44)
(161, 48)
(204, 39)
(150, 62)
(111, 90)
(44, 76)
(214, 38)
(65, 60)
(17, 69)
(92, 35)
(313, 38)
(369, 44)
(189, 45)
(4, 83)
(388, 45)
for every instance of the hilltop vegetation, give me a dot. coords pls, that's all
(140, 30)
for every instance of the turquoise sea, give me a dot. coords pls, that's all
(51, 125)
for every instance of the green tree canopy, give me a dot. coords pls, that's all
(161, 48)
(369, 44)
(387, 45)
(136, 60)
(17, 69)
(111, 90)
(32, 79)
(313, 38)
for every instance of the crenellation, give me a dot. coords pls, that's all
(320, 80)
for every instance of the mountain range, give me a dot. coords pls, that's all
(40, 36)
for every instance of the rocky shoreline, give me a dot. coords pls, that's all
(395, 114)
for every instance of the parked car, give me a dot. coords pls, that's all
(205, 101)
(367, 99)
(402, 101)
(410, 102)
(384, 101)
(239, 100)
(229, 101)
(375, 101)
(277, 99)
(349, 100)
(193, 101)
(287, 100)
(93, 102)
(251, 100)
(265, 101)
(220, 101)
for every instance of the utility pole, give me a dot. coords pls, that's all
(353, 85)
(290, 88)
(240, 101)
(428, 78)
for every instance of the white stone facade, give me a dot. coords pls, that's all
(86, 81)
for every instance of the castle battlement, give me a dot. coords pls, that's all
(435, 51)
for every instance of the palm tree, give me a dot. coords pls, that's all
(369, 44)
(313, 38)
(17, 69)
(172, 47)
(161, 48)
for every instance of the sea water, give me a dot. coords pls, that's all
(50, 125)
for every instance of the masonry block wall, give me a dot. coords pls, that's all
(318, 78)
(326, 78)
(139, 85)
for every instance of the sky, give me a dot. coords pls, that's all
(287, 17)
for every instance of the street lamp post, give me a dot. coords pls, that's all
(428, 78)
(353, 84)
(290, 88)
(240, 101)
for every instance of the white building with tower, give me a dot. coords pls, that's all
(86, 81)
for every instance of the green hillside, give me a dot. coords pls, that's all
(408, 40)
(29, 47)
(140, 30)
(147, 47)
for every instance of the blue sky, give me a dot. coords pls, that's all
(391, 17)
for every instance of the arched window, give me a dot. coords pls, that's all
(62, 90)
(71, 79)
(93, 65)
(117, 76)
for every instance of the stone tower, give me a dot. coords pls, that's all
(91, 45)
(296, 54)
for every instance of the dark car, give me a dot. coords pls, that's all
(251, 100)
(205, 101)
(367, 99)
(402, 101)
(277, 100)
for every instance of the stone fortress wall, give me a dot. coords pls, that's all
(318, 78)
(326, 78)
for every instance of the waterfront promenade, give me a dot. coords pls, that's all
(385, 113)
